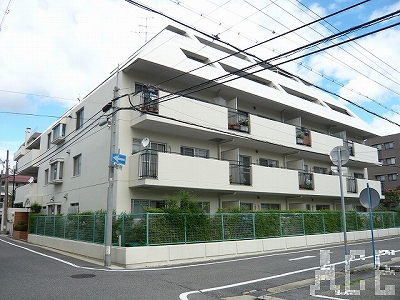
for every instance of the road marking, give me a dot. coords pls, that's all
(302, 257)
(183, 296)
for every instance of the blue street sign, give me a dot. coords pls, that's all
(118, 158)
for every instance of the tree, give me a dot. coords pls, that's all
(391, 201)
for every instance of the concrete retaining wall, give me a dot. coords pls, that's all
(147, 256)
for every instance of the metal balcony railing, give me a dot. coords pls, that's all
(306, 181)
(148, 165)
(239, 174)
(351, 184)
(238, 120)
(350, 146)
(303, 136)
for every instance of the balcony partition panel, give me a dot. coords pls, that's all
(195, 111)
(365, 153)
(324, 143)
(271, 131)
(274, 180)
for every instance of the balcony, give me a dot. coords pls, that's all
(27, 194)
(351, 185)
(303, 136)
(306, 181)
(175, 170)
(185, 115)
(238, 120)
(29, 164)
(179, 171)
(20, 153)
(239, 174)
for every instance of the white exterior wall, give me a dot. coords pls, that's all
(183, 121)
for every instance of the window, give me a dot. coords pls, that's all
(377, 146)
(268, 162)
(380, 178)
(246, 206)
(49, 140)
(79, 118)
(56, 172)
(195, 152)
(139, 206)
(46, 176)
(389, 145)
(74, 208)
(391, 161)
(359, 175)
(58, 133)
(77, 165)
(322, 207)
(270, 206)
(392, 177)
(320, 170)
(154, 146)
(205, 206)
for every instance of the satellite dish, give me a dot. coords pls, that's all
(145, 142)
(31, 180)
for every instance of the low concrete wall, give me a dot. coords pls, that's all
(151, 256)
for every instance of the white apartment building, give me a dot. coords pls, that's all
(259, 141)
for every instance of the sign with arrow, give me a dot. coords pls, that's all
(118, 158)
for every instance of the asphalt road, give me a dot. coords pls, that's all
(29, 272)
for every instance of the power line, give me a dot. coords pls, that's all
(5, 14)
(38, 95)
(28, 114)
(211, 83)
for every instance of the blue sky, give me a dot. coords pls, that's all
(54, 52)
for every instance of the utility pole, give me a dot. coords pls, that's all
(5, 202)
(110, 192)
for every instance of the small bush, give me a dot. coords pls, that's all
(21, 226)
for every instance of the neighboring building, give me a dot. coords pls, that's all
(389, 157)
(259, 141)
(14, 181)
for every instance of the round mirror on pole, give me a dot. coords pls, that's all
(375, 199)
(344, 155)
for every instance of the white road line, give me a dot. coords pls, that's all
(183, 296)
(328, 297)
(302, 257)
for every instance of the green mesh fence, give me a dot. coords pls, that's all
(161, 228)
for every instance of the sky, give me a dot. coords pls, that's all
(53, 53)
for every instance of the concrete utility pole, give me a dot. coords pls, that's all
(109, 212)
(5, 202)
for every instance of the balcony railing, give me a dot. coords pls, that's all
(238, 120)
(350, 146)
(149, 100)
(148, 165)
(351, 184)
(239, 174)
(303, 136)
(306, 181)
